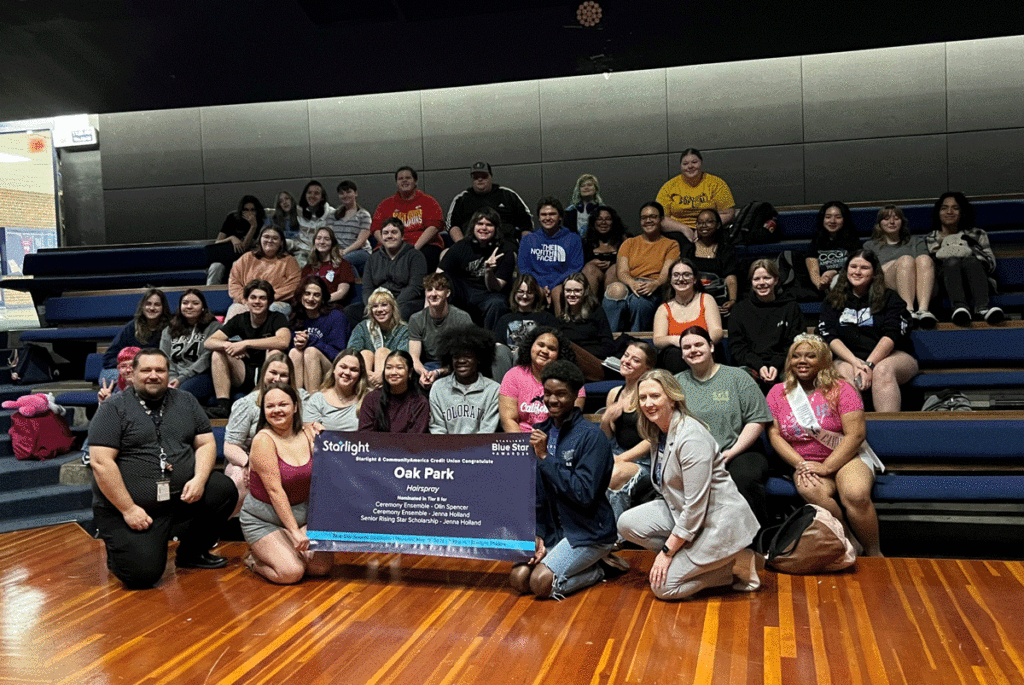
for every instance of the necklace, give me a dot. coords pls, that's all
(686, 304)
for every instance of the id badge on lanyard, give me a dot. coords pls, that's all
(163, 485)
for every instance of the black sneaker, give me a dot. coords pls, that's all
(962, 317)
(926, 320)
(613, 566)
(992, 315)
(218, 411)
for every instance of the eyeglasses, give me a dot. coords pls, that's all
(573, 291)
(650, 217)
(682, 277)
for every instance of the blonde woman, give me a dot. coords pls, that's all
(702, 525)
(908, 268)
(380, 333)
(819, 430)
(586, 196)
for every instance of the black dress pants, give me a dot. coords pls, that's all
(138, 557)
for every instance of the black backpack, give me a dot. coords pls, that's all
(756, 223)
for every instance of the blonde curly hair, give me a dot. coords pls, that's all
(827, 380)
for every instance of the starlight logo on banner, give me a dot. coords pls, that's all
(466, 496)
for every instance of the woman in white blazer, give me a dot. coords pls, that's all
(703, 525)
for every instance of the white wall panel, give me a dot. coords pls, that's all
(875, 93)
(737, 104)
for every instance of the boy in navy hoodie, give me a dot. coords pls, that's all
(575, 524)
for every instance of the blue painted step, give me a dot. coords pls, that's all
(18, 475)
(44, 500)
(11, 392)
(82, 516)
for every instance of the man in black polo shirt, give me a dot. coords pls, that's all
(152, 453)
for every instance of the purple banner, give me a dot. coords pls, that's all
(466, 496)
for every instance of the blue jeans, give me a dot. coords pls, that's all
(200, 386)
(641, 311)
(622, 499)
(574, 567)
(357, 258)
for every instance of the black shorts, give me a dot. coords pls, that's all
(250, 380)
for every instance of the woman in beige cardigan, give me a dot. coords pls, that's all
(702, 526)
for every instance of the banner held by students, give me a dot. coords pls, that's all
(466, 496)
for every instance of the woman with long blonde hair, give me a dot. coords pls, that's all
(380, 333)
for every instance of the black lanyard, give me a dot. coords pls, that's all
(158, 420)
(659, 459)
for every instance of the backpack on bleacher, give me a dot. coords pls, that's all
(756, 223)
(793, 277)
(947, 400)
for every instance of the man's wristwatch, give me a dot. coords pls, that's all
(666, 551)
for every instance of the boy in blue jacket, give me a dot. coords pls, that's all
(575, 523)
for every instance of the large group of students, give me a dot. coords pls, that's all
(501, 327)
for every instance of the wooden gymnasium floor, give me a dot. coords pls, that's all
(413, 620)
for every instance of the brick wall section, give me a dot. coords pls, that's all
(23, 208)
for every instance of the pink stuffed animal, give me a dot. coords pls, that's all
(31, 405)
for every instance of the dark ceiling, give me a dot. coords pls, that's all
(73, 56)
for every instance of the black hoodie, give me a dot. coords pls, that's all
(760, 333)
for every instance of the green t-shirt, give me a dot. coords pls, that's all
(725, 402)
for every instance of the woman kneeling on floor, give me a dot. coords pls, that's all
(703, 525)
(273, 516)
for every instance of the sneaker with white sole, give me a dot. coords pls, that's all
(992, 315)
(926, 320)
(962, 317)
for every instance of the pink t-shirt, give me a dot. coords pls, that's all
(528, 392)
(805, 445)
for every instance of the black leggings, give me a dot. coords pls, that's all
(749, 471)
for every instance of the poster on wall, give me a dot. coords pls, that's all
(469, 496)
(28, 215)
